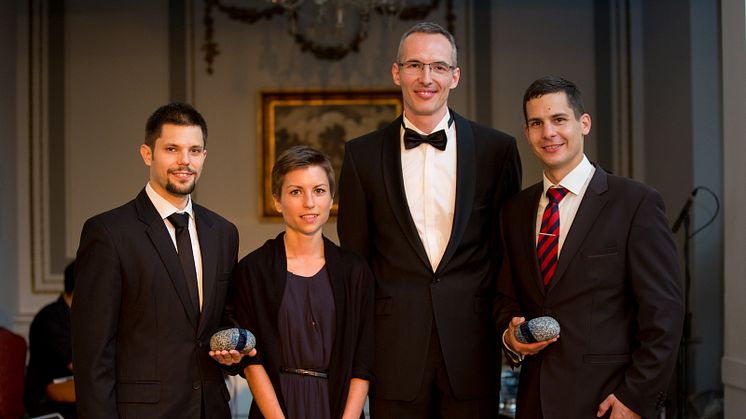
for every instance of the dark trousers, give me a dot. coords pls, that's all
(435, 399)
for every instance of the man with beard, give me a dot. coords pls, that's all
(151, 283)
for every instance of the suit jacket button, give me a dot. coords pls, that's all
(196, 385)
(435, 280)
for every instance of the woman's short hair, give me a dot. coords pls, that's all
(299, 157)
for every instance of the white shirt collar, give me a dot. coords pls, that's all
(164, 207)
(443, 124)
(574, 180)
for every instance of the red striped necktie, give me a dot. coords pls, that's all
(546, 247)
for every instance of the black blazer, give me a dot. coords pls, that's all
(616, 293)
(140, 349)
(375, 222)
(259, 283)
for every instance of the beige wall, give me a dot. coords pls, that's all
(527, 45)
(8, 173)
(116, 73)
(112, 71)
(734, 114)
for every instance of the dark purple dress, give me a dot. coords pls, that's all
(306, 330)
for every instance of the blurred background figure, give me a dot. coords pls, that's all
(49, 376)
(12, 361)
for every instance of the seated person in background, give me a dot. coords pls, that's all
(49, 385)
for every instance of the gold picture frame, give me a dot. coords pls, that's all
(322, 119)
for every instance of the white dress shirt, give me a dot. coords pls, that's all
(430, 187)
(165, 209)
(576, 182)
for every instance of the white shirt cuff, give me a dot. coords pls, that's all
(513, 355)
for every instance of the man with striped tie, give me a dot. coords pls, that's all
(593, 251)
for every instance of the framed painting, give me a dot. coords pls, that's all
(322, 119)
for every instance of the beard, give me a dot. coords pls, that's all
(180, 189)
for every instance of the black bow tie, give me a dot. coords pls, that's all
(412, 139)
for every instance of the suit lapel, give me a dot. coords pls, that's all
(393, 179)
(208, 246)
(590, 208)
(465, 184)
(156, 231)
(532, 196)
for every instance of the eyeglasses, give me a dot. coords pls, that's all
(414, 68)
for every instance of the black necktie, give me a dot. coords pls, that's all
(412, 139)
(184, 246)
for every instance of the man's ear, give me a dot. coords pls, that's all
(147, 154)
(455, 77)
(395, 74)
(585, 122)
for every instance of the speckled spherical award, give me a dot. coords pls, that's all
(537, 330)
(236, 338)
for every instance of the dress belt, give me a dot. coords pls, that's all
(308, 372)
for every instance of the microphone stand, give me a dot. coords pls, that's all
(682, 364)
(682, 376)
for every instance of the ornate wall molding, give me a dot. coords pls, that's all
(45, 144)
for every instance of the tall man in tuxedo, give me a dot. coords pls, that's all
(593, 251)
(423, 211)
(151, 283)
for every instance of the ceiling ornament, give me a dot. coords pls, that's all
(318, 25)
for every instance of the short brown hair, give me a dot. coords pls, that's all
(555, 84)
(174, 113)
(299, 157)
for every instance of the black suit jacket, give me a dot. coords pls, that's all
(375, 222)
(140, 349)
(616, 294)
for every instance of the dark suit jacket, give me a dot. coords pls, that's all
(616, 293)
(259, 282)
(375, 222)
(140, 350)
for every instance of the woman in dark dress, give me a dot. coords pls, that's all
(309, 303)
